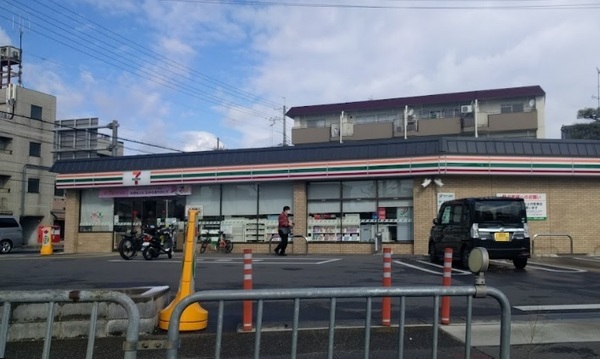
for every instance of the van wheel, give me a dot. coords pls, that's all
(433, 258)
(464, 256)
(5, 246)
(520, 262)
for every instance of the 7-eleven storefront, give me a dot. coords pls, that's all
(339, 206)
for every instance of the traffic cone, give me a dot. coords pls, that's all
(46, 242)
(194, 317)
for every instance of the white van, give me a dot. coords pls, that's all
(11, 234)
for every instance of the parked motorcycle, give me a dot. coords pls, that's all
(130, 244)
(161, 241)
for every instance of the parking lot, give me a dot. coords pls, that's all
(557, 293)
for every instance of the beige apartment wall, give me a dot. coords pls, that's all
(573, 205)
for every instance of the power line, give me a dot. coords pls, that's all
(154, 54)
(83, 129)
(400, 7)
(142, 72)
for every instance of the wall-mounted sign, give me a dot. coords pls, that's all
(136, 178)
(152, 191)
(534, 202)
(443, 197)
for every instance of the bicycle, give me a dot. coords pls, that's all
(223, 244)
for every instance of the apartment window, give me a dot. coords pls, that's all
(509, 108)
(33, 185)
(36, 112)
(35, 149)
(5, 145)
(58, 192)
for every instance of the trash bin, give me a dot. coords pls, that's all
(378, 242)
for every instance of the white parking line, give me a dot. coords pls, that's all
(427, 270)
(537, 308)
(276, 261)
(537, 265)
(588, 259)
(462, 272)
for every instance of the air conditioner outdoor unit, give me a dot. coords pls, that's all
(15, 54)
(466, 109)
(335, 130)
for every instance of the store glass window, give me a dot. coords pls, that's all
(96, 213)
(324, 211)
(358, 205)
(395, 188)
(240, 202)
(271, 199)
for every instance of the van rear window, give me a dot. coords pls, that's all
(504, 212)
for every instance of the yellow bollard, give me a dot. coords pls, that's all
(46, 242)
(194, 317)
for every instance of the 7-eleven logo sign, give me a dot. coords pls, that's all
(136, 178)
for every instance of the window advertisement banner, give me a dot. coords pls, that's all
(154, 191)
(534, 202)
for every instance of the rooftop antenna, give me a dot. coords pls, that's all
(21, 30)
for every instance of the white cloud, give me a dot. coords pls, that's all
(350, 55)
(200, 141)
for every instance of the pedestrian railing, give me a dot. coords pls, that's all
(51, 297)
(551, 235)
(333, 294)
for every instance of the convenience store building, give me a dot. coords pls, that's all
(341, 195)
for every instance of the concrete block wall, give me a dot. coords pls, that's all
(28, 320)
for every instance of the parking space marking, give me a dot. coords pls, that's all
(588, 259)
(296, 261)
(458, 271)
(544, 267)
(537, 308)
(428, 270)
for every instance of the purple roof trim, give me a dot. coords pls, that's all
(417, 101)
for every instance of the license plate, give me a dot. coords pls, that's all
(145, 244)
(502, 237)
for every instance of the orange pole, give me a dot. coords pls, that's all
(386, 303)
(446, 282)
(247, 309)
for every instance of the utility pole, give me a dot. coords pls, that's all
(475, 110)
(114, 145)
(598, 95)
(284, 125)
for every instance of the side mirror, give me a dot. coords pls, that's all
(435, 221)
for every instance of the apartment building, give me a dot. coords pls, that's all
(26, 142)
(79, 138)
(516, 112)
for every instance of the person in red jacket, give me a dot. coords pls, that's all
(284, 229)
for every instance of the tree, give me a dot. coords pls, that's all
(588, 113)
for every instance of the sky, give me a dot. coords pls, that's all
(191, 75)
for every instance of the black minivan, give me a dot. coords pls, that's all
(498, 224)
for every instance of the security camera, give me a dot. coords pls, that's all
(426, 182)
(438, 182)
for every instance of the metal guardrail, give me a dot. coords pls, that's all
(550, 235)
(333, 294)
(80, 296)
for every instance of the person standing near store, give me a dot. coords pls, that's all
(284, 229)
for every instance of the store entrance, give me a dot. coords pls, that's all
(139, 213)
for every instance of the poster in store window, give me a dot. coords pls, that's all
(535, 203)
